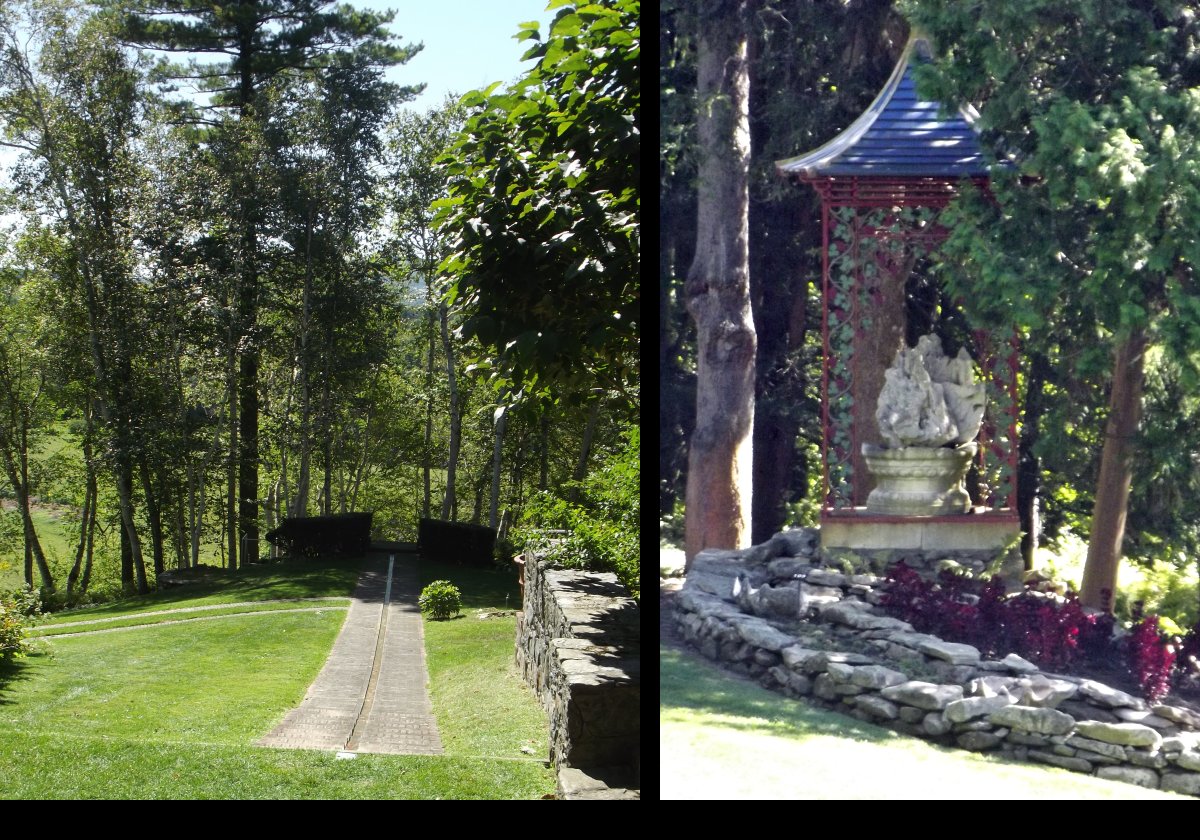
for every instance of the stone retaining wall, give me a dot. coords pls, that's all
(779, 614)
(578, 647)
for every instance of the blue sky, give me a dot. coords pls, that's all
(468, 43)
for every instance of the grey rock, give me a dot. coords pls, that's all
(825, 577)
(820, 660)
(876, 676)
(923, 695)
(1145, 718)
(1081, 765)
(978, 741)
(766, 658)
(757, 632)
(952, 652)
(877, 707)
(1181, 742)
(850, 614)
(1040, 690)
(1019, 665)
(1145, 759)
(797, 657)
(779, 674)
(1063, 749)
(944, 672)
(825, 688)
(909, 714)
(817, 596)
(786, 567)
(1099, 758)
(960, 711)
(1141, 776)
(1106, 749)
(1033, 719)
(994, 685)
(1028, 739)
(766, 600)
(847, 689)
(910, 639)
(1081, 710)
(1188, 783)
(1126, 734)
(1108, 696)
(1189, 760)
(799, 684)
(935, 724)
(796, 541)
(839, 672)
(1176, 714)
(706, 605)
(865, 580)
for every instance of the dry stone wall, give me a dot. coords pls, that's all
(777, 613)
(578, 647)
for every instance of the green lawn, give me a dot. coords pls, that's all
(725, 738)
(172, 711)
(467, 652)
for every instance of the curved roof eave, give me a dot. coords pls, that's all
(911, 139)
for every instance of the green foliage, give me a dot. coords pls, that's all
(16, 610)
(440, 600)
(542, 213)
(602, 525)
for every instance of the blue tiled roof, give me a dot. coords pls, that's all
(898, 135)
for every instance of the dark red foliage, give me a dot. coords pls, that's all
(1051, 631)
(1151, 658)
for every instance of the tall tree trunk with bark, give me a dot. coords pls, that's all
(718, 291)
(448, 507)
(1116, 473)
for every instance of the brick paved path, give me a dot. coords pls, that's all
(371, 695)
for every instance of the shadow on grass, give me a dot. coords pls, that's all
(481, 588)
(688, 683)
(14, 670)
(290, 578)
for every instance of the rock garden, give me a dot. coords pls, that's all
(1044, 681)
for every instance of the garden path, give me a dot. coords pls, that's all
(371, 696)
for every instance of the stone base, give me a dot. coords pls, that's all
(859, 529)
(972, 539)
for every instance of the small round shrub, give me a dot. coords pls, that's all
(440, 599)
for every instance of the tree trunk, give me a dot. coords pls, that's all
(1028, 464)
(1116, 474)
(300, 502)
(231, 487)
(543, 452)
(428, 452)
(154, 514)
(718, 293)
(18, 476)
(501, 425)
(448, 507)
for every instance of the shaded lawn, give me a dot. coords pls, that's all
(285, 579)
(726, 738)
(483, 706)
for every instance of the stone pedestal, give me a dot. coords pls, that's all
(919, 481)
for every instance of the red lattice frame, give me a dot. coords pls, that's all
(998, 441)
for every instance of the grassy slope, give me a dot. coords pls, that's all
(716, 729)
(463, 653)
(172, 711)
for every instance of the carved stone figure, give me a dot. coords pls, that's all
(929, 412)
(929, 399)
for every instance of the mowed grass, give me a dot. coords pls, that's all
(725, 738)
(483, 706)
(172, 711)
(291, 579)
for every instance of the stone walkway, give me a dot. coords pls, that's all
(371, 695)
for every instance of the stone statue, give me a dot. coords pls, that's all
(929, 399)
(929, 413)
